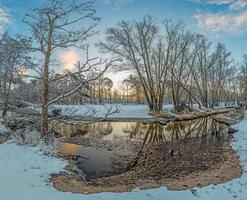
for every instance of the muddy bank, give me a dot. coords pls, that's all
(193, 163)
(229, 169)
(178, 155)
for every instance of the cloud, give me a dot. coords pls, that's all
(232, 4)
(117, 4)
(233, 20)
(222, 22)
(238, 4)
(4, 18)
(69, 59)
(217, 2)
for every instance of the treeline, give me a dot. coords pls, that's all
(170, 60)
(99, 91)
(170, 64)
(54, 26)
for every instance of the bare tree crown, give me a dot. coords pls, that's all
(59, 23)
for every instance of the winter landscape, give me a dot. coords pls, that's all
(123, 99)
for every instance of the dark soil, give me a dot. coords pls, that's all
(179, 165)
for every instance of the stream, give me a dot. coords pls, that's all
(151, 151)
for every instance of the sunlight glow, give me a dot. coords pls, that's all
(21, 72)
(69, 59)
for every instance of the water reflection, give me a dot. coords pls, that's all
(206, 128)
(162, 151)
(93, 162)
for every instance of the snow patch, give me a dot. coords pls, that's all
(125, 111)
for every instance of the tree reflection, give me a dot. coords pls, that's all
(206, 128)
(134, 130)
(96, 130)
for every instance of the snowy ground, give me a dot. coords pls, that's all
(125, 110)
(24, 174)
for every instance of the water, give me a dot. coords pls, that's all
(148, 133)
(93, 162)
(204, 135)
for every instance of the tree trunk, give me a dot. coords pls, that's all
(45, 84)
(45, 122)
(5, 107)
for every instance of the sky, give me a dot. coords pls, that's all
(221, 20)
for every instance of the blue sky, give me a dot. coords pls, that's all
(221, 20)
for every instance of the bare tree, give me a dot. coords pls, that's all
(108, 84)
(103, 89)
(201, 68)
(59, 25)
(243, 78)
(232, 89)
(218, 73)
(136, 86)
(149, 51)
(12, 57)
(209, 70)
(179, 72)
(126, 88)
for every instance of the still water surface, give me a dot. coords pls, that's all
(150, 132)
(100, 162)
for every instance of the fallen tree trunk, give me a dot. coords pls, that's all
(194, 115)
(204, 114)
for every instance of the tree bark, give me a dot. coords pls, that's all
(45, 83)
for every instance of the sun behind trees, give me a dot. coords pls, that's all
(122, 106)
(61, 25)
(167, 63)
(166, 56)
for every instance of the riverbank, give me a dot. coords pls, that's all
(197, 158)
(197, 166)
(28, 169)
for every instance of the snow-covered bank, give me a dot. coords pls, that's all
(125, 110)
(24, 173)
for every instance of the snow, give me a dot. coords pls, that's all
(25, 171)
(125, 110)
